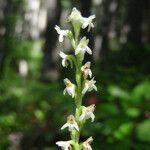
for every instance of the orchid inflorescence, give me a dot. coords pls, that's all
(83, 77)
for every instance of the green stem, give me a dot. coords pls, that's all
(78, 101)
(76, 32)
(79, 94)
(76, 146)
(78, 97)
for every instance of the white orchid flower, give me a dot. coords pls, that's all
(70, 88)
(75, 16)
(64, 59)
(83, 46)
(87, 113)
(71, 123)
(87, 22)
(62, 33)
(86, 70)
(65, 145)
(89, 86)
(86, 144)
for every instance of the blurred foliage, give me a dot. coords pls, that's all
(38, 109)
(35, 108)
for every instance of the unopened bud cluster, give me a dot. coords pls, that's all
(84, 80)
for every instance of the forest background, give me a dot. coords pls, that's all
(32, 107)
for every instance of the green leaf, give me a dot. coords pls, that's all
(143, 131)
(118, 92)
(124, 130)
(39, 115)
(141, 92)
(133, 112)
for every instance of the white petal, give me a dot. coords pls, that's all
(60, 143)
(57, 28)
(63, 144)
(92, 25)
(64, 63)
(91, 18)
(65, 126)
(92, 117)
(94, 87)
(61, 38)
(85, 24)
(89, 148)
(90, 73)
(62, 55)
(71, 90)
(73, 95)
(89, 28)
(88, 64)
(77, 50)
(85, 90)
(82, 117)
(89, 50)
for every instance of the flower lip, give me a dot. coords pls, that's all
(87, 113)
(65, 145)
(71, 123)
(86, 70)
(62, 33)
(63, 55)
(70, 88)
(64, 59)
(87, 22)
(86, 144)
(67, 82)
(89, 86)
(83, 46)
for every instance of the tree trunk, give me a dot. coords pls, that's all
(8, 39)
(146, 22)
(105, 27)
(53, 16)
(134, 21)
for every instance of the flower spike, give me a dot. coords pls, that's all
(83, 75)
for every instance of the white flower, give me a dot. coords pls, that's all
(70, 88)
(89, 86)
(71, 123)
(75, 16)
(65, 145)
(61, 33)
(86, 144)
(87, 113)
(64, 59)
(87, 22)
(83, 46)
(86, 70)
